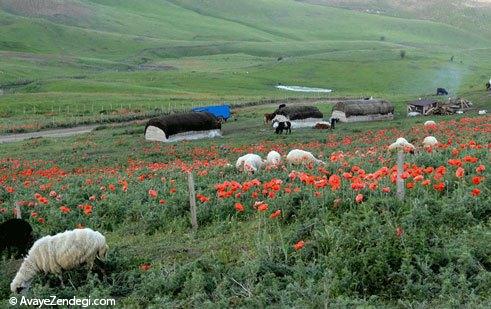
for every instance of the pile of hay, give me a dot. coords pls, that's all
(190, 125)
(299, 112)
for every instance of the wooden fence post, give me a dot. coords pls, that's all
(192, 201)
(400, 169)
(17, 212)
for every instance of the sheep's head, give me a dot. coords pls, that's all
(102, 253)
(20, 287)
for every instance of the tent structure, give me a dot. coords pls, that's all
(363, 110)
(301, 116)
(183, 126)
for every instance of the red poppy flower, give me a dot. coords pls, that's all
(153, 193)
(459, 173)
(275, 214)
(476, 180)
(239, 207)
(359, 198)
(426, 182)
(399, 231)
(299, 245)
(439, 187)
(145, 266)
(65, 209)
(262, 207)
(386, 189)
(480, 168)
(475, 192)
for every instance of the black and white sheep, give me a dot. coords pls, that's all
(63, 251)
(283, 126)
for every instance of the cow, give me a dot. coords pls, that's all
(441, 91)
(268, 118)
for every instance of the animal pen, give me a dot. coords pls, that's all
(183, 126)
(301, 116)
(363, 110)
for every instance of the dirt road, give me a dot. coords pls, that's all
(10, 138)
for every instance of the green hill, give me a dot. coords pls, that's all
(104, 52)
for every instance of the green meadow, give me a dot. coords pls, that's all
(111, 57)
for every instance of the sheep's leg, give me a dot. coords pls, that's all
(60, 276)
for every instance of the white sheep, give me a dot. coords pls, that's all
(430, 141)
(273, 158)
(63, 251)
(430, 123)
(482, 112)
(249, 163)
(297, 156)
(400, 143)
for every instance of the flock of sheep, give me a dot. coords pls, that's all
(70, 249)
(252, 162)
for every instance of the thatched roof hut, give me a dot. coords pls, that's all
(182, 126)
(299, 112)
(363, 110)
(301, 116)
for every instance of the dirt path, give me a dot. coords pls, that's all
(10, 138)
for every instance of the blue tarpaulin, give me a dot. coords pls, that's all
(219, 111)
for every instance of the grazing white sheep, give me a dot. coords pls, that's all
(63, 251)
(482, 112)
(297, 156)
(400, 143)
(430, 123)
(249, 163)
(273, 158)
(430, 141)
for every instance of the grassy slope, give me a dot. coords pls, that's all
(156, 52)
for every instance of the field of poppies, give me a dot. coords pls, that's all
(287, 236)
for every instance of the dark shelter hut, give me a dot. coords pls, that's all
(301, 116)
(363, 110)
(182, 126)
(299, 112)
